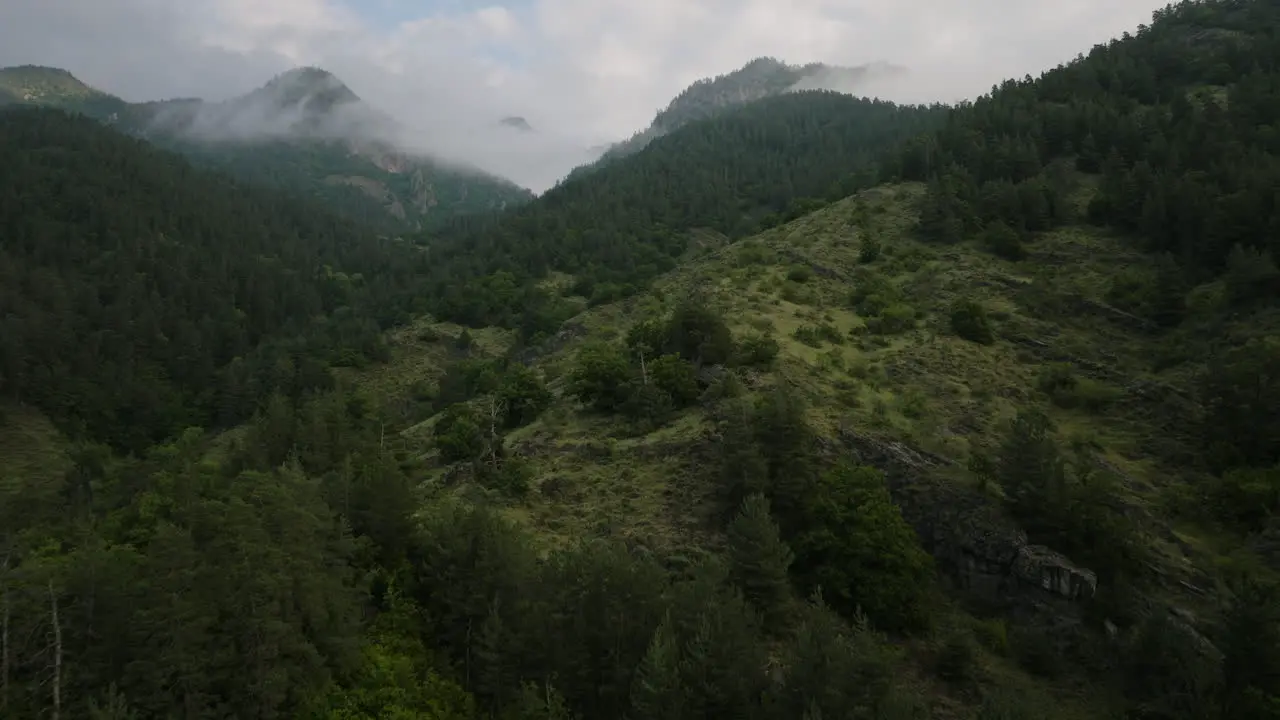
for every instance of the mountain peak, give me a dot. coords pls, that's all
(38, 83)
(309, 88)
(517, 123)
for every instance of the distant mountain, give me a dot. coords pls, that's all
(517, 123)
(761, 78)
(304, 131)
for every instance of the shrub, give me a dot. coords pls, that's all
(895, 319)
(757, 349)
(869, 252)
(458, 435)
(957, 659)
(800, 273)
(993, 635)
(1068, 391)
(873, 293)
(600, 377)
(464, 340)
(815, 335)
(861, 552)
(1003, 241)
(524, 396)
(676, 377)
(969, 321)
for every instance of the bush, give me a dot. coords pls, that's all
(458, 435)
(757, 349)
(800, 273)
(600, 377)
(1036, 653)
(1003, 241)
(893, 320)
(993, 635)
(524, 396)
(1068, 391)
(464, 341)
(1246, 498)
(869, 252)
(815, 335)
(969, 321)
(957, 659)
(676, 377)
(861, 552)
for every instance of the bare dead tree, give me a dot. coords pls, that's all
(644, 368)
(496, 409)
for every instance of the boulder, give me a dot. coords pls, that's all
(972, 540)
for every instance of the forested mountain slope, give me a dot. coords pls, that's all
(304, 132)
(621, 226)
(759, 79)
(138, 295)
(957, 447)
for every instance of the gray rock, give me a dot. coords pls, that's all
(970, 537)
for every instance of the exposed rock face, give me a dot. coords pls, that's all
(972, 541)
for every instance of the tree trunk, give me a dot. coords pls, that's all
(57, 653)
(4, 641)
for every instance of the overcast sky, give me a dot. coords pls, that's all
(583, 72)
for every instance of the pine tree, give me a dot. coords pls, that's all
(489, 677)
(760, 560)
(656, 693)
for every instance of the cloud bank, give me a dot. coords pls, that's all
(582, 72)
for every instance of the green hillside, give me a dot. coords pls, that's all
(820, 408)
(722, 178)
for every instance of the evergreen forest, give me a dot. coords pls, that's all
(815, 407)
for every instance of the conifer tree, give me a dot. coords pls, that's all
(760, 559)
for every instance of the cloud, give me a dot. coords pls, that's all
(583, 72)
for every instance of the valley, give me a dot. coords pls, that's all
(803, 406)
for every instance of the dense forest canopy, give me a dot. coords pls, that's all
(140, 296)
(1177, 122)
(203, 515)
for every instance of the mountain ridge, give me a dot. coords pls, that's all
(303, 130)
(757, 79)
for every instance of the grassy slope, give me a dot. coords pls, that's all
(924, 387)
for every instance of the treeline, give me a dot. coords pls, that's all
(620, 226)
(139, 296)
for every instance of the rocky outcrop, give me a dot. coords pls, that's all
(973, 542)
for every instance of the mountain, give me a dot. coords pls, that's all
(517, 123)
(724, 177)
(760, 78)
(980, 424)
(52, 87)
(165, 281)
(304, 132)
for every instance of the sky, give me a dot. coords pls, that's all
(582, 72)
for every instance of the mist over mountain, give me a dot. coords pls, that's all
(304, 131)
(760, 78)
